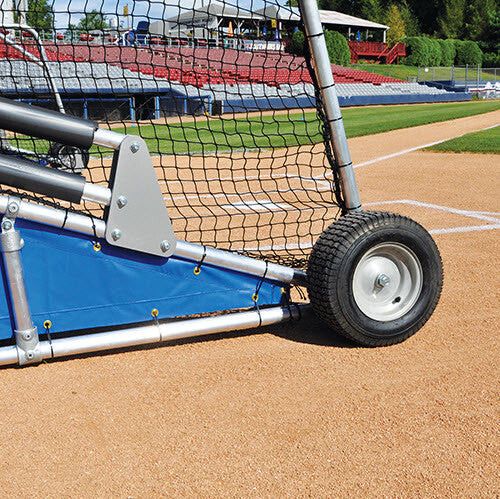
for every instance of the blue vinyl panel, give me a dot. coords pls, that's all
(76, 287)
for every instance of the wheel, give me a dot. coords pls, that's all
(68, 158)
(375, 277)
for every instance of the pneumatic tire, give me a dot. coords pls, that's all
(375, 277)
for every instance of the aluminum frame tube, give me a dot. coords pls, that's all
(57, 218)
(190, 251)
(157, 333)
(108, 138)
(44, 59)
(96, 194)
(324, 76)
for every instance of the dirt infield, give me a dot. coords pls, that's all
(294, 410)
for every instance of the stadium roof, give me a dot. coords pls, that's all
(214, 9)
(333, 17)
(201, 15)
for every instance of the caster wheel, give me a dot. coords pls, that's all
(68, 158)
(375, 277)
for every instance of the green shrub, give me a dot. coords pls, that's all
(491, 60)
(418, 51)
(338, 49)
(468, 53)
(299, 43)
(448, 52)
(436, 54)
(457, 44)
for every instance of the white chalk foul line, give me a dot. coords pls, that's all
(417, 148)
(494, 224)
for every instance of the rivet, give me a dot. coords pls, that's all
(116, 234)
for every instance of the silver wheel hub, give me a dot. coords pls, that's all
(387, 281)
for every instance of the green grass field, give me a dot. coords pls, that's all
(287, 130)
(485, 142)
(404, 72)
(282, 130)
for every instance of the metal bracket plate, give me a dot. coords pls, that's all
(138, 218)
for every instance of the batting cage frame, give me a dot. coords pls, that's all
(103, 264)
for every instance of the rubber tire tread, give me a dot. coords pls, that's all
(325, 268)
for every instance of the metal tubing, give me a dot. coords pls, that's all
(46, 124)
(44, 59)
(96, 194)
(30, 176)
(324, 76)
(57, 218)
(240, 263)
(156, 333)
(189, 251)
(14, 271)
(108, 138)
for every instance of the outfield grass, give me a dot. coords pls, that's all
(288, 130)
(404, 72)
(485, 142)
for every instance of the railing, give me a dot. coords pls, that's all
(468, 75)
(373, 48)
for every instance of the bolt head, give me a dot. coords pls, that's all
(121, 201)
(116, 234)
(165, 246)
(6, 225)
(13, 208)
(27, 336)
(383, 280)
(134, 147)
(30, 354)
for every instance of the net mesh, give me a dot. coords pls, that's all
(231, 115)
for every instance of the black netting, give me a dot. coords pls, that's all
(228, 112)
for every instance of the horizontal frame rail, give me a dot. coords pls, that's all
(156, 333)
(190, 251)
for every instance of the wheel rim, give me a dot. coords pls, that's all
(387, 281)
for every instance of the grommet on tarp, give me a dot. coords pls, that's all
(47, 325)
(154, 314)
(97, 246)
(197, 269)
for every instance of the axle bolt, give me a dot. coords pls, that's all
(383, 280)
(134, 147)
(6, 225)
(165, 246)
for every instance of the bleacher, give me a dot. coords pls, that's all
(225, 75)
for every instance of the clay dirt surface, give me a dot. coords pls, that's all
(293, 410)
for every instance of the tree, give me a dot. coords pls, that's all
(371, 10)
(396, 25)
(477, 18)
(451, 21)
(39, 16)
(409, 18)
(92, 20)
